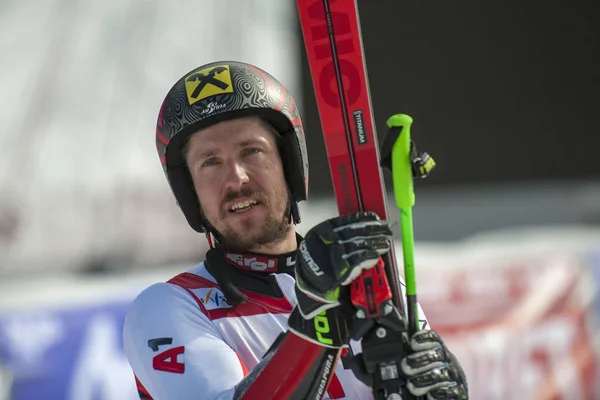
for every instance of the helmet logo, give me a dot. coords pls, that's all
(212, 107)
(208, 82)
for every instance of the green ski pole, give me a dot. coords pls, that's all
(405, 164)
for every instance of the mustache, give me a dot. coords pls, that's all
(245, 192)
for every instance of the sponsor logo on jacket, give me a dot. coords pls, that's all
(252, 263)
(211, 298)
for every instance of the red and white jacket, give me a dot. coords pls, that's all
(184, 341)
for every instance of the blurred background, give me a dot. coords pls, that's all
(504, 96)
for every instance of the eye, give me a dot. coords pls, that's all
(251, 150)
(209, 162)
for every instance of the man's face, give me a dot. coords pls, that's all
(238, 177)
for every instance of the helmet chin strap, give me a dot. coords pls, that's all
(214, 241)
(209, 239)
(295, 213)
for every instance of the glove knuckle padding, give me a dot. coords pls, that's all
(451, 392)
(425, 339)
(360, 216)
(378, 242)
(325, 232)
(362, 259)
(365, 229)
(425, 383)
(423, 361)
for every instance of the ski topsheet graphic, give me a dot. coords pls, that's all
(344, 103)
(333, 40)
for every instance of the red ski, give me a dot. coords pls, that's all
(332, 36)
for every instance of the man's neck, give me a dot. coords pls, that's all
(286, 245)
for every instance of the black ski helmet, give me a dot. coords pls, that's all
(221, 91)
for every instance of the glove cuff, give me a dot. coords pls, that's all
(326, 329)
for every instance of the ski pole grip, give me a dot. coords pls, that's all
(399, 126)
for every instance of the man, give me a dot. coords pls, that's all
(268, 313)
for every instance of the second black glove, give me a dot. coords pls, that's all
(333, 254)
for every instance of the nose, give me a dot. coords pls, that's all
(236, 176)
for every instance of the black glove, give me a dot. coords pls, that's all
(332, 255)
(432, 370)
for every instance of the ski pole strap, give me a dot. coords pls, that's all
(421, 164)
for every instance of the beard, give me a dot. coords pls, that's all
(275, 227)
